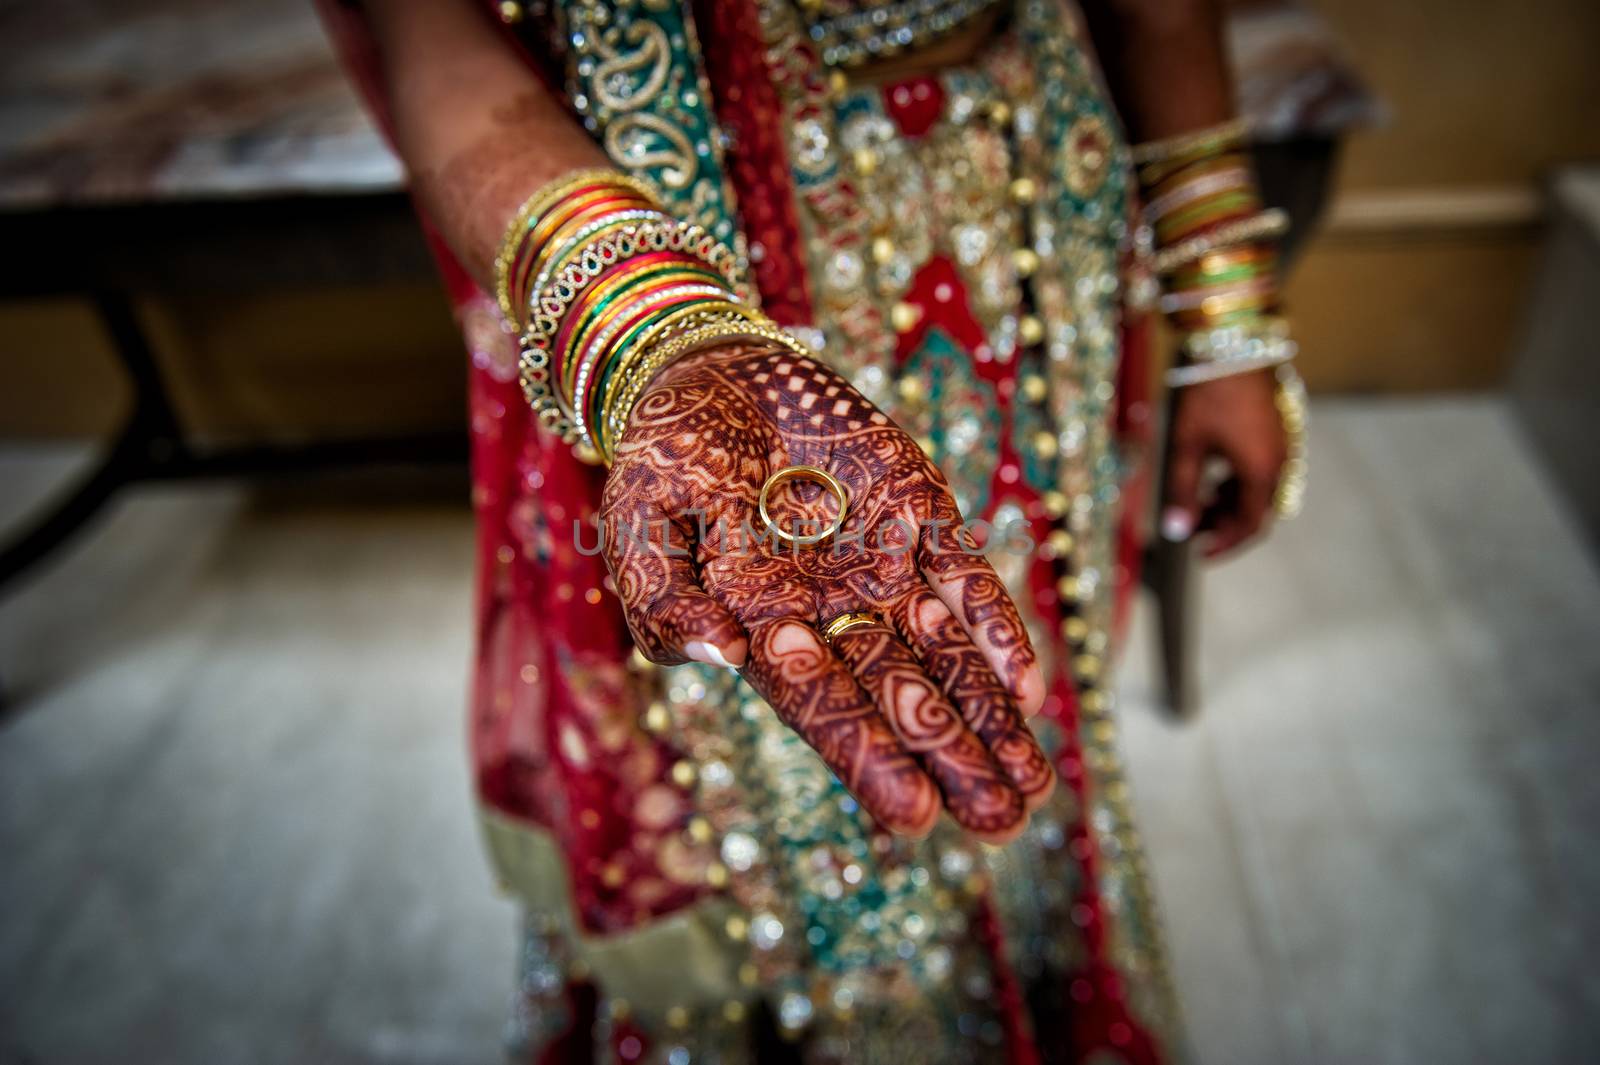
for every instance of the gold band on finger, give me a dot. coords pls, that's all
(845, 622)
(804, 473)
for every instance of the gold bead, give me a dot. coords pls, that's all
(882, 250)
(733, 1011)
(1055, 503)
(657, 718)
(1025, 261)
(749, 975)
(510, 12)
(1092, 701)
(904, 317)
(717, 875)
(1076, 630)
(1035, 388)
(736, 927)
(1087, 667)
(677, 1017)
(927, 445)
(1060, 542)
(866, 160)
(1044, 443)
(910, 388)
(1030, 329)
(1000, 113)
(612, 876)
(1023, 190)
(699, 830)
(1067, 587)
(683, 774)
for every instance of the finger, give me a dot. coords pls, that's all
(1181, 511)
(974, 593)
(949, 655)
(814, 694)
(671, 616)
(1250, 504)
(977, 791)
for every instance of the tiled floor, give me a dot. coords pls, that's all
(235, 828)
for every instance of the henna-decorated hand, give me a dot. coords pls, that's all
(925, 708)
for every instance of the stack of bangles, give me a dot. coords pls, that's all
(604, 288)
(1217, 256)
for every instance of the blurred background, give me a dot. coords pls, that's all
(234, 625)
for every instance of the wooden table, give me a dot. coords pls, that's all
(202, 148)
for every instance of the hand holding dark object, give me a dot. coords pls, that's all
(922, 708)
(1236, 420)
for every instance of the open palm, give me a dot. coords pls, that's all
(923, 708)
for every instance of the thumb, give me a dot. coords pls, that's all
(1181, 510)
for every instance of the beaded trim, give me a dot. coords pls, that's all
(881, 30)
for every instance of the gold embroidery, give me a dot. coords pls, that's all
(1086, 156)
(612, 83)
(628, 140)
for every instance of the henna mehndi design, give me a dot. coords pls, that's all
(926, 706)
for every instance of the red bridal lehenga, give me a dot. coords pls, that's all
(698, 887)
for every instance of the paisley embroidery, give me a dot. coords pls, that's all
(634, 76)
(613, 82)
(636, 140)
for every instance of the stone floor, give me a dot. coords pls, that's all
(235, 828)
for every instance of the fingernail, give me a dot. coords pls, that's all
(709, 653)
(1176, 525)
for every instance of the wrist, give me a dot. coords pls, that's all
(603, 287)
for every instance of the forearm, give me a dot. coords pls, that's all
(1215, 251)
(477, 129)
(1166, 62)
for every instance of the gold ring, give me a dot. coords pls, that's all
(845, 622)
(811, 473)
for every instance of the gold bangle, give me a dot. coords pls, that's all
(1219, 137)
(1290, 399)
(547, 306)
(553, 264)
(584, 331)
(692, 329)
(1269, 223)
(543, 198)
(678, 321)
(745, 325)
(578, 397)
